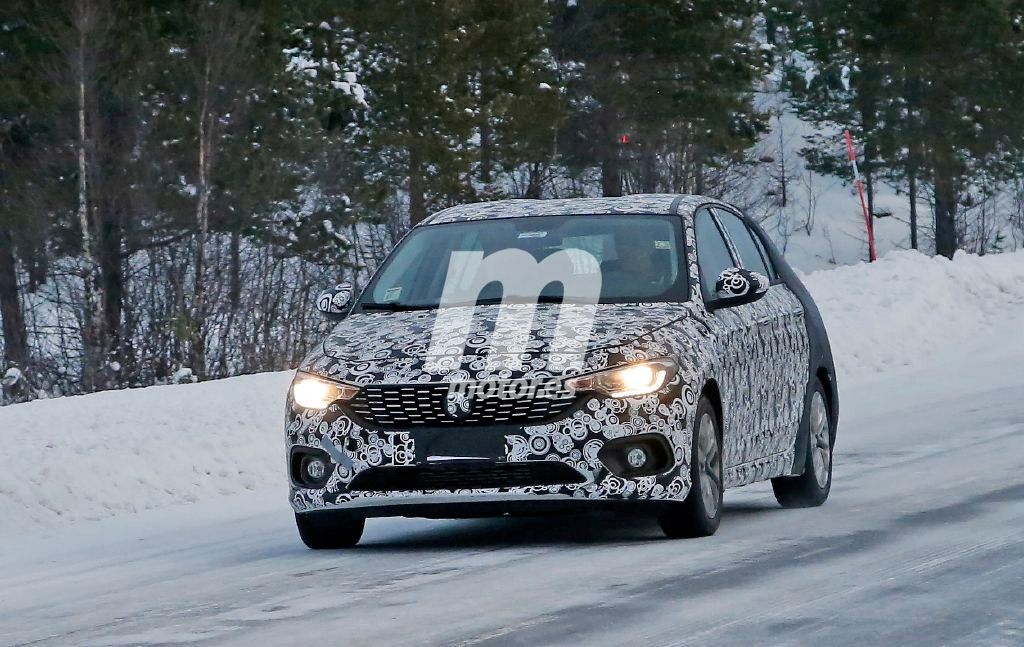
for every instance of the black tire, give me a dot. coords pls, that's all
(811, 488)
(329, 530)
(693, 517)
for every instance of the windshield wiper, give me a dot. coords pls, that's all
(395, 307)
(399, 307)
(550, 298)
(544, 298)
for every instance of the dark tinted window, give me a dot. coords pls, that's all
(743, 239)
(712, 253)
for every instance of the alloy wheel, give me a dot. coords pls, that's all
(709, 462)
(821, 450)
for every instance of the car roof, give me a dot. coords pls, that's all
(643, 203)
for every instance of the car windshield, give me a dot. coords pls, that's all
(632, 258)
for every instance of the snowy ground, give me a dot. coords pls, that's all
(919, 543)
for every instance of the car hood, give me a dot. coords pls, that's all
(457, 344)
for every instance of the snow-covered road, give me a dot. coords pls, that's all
(920, 543)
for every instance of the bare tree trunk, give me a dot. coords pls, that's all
(236, 270)
(535, 176)
(417, 186)
(912, 188)
(84, 21)
(206, 125)
(945, 213)
(783, 171)
(608, 154)
(15, 337)
(913, 94)
(648, 170)
(611, 176)
(698, 174)
(611, 173)
(110, 275)
(486, 163)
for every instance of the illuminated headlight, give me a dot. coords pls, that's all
(629, 381)
(312, 392)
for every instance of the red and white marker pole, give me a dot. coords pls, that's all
(860, 192)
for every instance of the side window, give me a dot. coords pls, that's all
(712, 253)
(749, 249)
(772, 274)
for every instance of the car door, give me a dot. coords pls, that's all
(778, 344)
(742, 410)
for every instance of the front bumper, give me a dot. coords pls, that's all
(358, 452)
(448, 505)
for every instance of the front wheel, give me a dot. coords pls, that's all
(701, 512)
(811, 488)
(327, 530)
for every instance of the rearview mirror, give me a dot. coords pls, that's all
(737, 286)
(334, 303)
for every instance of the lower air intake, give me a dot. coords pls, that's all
(465, 475)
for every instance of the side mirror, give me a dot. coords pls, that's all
(334, 303)
(736, 287)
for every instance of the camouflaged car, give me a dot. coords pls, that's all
(667, 353)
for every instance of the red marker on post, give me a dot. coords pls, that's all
(860, 192)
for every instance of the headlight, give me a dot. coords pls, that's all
(312, 392)
(627, 381)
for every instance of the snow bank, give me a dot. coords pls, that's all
(911, 309)
(94, 456)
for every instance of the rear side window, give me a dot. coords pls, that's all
(749, 248)
(713, 255)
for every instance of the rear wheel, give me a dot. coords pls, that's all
(701, 512)
(327, 530)
(811, 488)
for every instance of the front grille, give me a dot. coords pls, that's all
(468, 475)
(405, 405)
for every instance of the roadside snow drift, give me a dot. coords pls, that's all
(95, 456)
(909, 309)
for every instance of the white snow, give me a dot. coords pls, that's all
(909, 309)
(183, 375)
(920, 538)
(89, 457)
(12, 376)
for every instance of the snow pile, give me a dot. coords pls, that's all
(94, 456)
(911, 309)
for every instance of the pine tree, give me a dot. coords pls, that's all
(517, 103)
(934, 88)
(668, 79)
(414, 54)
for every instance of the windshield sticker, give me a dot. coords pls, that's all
(662, 244)
(392, 294)
(533, 234)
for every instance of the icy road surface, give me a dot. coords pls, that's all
(922, 542)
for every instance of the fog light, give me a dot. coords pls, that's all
(636, 457)
(310, 468)
(316, 469)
